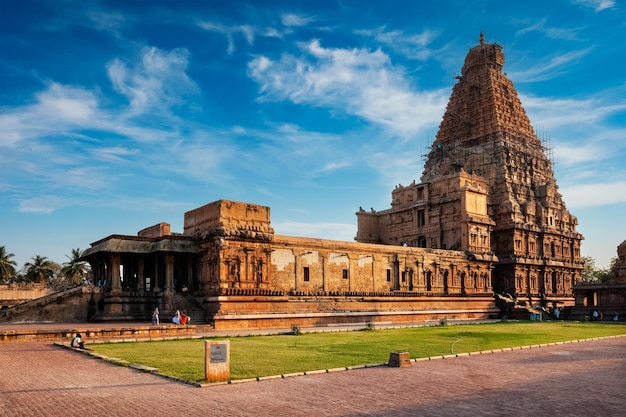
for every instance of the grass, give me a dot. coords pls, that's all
(258, 356)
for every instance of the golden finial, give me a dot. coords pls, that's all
(482, 38)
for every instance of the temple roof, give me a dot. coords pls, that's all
(134, 244)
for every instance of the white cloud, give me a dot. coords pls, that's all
(553, 113)
(593, 195)
(333, 231)
(57, 108)
(294, 20)
(333, 166)
(547, 70)
(231, 31)
(74, 105)
(357, 81)
(40, 205)
(596, 5)
(572, 154)
(157, 83)
(413, 46)
(550, 32)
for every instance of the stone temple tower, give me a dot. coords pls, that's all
(488, 188)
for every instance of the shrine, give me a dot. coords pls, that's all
(486, 218)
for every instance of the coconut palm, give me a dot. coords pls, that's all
(7, 265)
(39, 270)
(75, 270)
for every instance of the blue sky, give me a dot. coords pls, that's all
(117, 115)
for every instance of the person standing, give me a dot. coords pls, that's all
(155, 315)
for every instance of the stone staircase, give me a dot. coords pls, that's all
(18, 311)
(190, 306)
(514, 309)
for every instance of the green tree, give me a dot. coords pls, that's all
(592, 273)
(75, 270)
(39, 270)
(7, 265)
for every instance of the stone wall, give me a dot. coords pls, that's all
(11, 295)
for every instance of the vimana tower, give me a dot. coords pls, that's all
(488, 188)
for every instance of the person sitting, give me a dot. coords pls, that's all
(176, 318)
(184, 319)
(77, 342)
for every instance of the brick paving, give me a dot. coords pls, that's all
(573, 379)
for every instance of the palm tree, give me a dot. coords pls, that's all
(39, 270)
(7, 265)
(75, 270)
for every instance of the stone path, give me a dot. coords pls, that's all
(574, 379)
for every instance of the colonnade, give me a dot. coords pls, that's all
(142, 273)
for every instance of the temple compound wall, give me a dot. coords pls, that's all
(245, 276)
(607, 297)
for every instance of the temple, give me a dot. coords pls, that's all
(485, 218)
(488, 189)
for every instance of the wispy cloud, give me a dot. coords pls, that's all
(295, 20)
(593, 195)
(550, 32)
(414, 46)
(248, 32)
(596, 5)
(333, 166)
(555, 112)
(159, 82)
(333, 231)
(358, 81)
(543, 71)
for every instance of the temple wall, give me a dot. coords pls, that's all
(11, 295)
(158, 230)
(227, 216)
(335, 266)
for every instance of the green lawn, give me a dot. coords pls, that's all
(257, 356)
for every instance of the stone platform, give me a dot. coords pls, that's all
(59, 332)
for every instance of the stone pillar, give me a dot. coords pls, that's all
(155, 278)
(169, 272)
(373, 273)
(349, 273)
(189, 280)
(141, 280)
(297, 263)
(268, 261)
(324, 269)
(419, 276)
(116, 285)
(453, 286)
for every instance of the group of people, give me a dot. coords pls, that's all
(598, 316)
(179, 318)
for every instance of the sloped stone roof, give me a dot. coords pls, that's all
(133, 244)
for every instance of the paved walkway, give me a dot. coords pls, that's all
(574, 379)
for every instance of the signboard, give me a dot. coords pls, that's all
(217, 360)
(218, 353)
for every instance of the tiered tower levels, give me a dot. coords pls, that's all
(486, 133)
